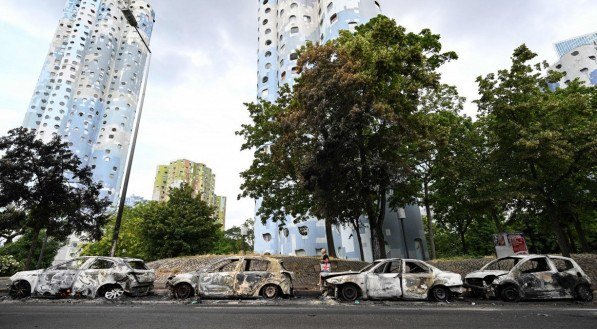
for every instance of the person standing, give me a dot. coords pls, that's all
(325, 266)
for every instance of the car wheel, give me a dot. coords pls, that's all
(183, 291)
(510, 294)
(349, 292)
(20, 289)
(584, 293)
(113, 292)
(439, 294)
(269, 291)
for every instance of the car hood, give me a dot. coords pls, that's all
(483, 274)
(25, 274)
(336, 274)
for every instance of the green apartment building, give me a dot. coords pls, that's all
(197, 175)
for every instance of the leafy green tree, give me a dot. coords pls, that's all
(48, 182)
(441, 107)
(131, 243)
(19, 249)
(542, 142)
(341, 145)
(184, 225)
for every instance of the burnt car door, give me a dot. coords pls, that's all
(142, 274)
(93, 276)
(567, 276)
(384, 280)
(59, 279)
(417, 279)
(536, 277)
(219, 281)
(253, 274)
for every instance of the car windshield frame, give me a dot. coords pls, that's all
(370, 266)
(516, 260)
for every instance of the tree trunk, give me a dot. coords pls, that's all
(41, 252)
(379, 242)
(357, 228)
(584, 244)
(330, 238)
(557, 228)
(498, 225)
(32, 248)
(463, 242)
(572, 245)
(429, 221)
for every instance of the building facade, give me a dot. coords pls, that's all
(565, 46)
(89, 88)
(197, 175)
(578, 63)
(284, 26)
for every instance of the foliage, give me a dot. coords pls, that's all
(130, 243)
(344, 140)
(231, 241)
(543, 143)
(48, 182)
(184, 225)
(19, 249)
(8, 265)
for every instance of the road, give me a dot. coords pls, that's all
(159, 316)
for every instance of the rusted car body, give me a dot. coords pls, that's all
(235, 277)
(109, 277)
(393, 279)
(530, 277)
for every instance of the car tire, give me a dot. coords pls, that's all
(183, 291)
(439, 294)
(584, 293)
(20, 290)
(510, 294)
(270, 291)
(349, 292)
(113, 292)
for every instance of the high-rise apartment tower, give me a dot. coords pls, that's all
(89, 88)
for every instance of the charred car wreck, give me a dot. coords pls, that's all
(108, 277)
(530, 277)
(394, 279)
(235, 277)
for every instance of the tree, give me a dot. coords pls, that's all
(441, 107)
(132, 243)
(184, 225)
(11, 223)
(341, 145)
(20, 248)
(49, 183)
(542, 142)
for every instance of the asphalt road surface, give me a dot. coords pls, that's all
(64, 316)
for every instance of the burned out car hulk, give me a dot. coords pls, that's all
(393, 279)
(108, 277)
(530, 277)
(235, 277)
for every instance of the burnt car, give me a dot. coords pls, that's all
(242, 277)
(394, 279)
(519, 277)
(108, 277)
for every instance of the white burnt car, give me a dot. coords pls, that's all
(235, 277)
(108, 277)
(530, 277)
(393, 279)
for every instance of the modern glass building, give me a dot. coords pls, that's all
(565, 46)
(283, 27)
(89, 87)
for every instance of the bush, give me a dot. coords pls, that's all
(9, 265)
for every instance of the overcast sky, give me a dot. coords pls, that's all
(204, 68)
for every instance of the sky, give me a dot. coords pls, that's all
(205, 62)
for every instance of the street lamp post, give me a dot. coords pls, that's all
(130, 17)
(402, 217)
(243, 233)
